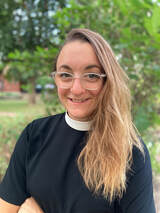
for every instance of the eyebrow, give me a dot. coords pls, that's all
(65, 66)
(86, 68)
(92, 66)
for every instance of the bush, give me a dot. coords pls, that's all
(52, 103)
(152, 138)
(10, 129)
(10, 95)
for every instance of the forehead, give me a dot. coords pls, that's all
(77, 54)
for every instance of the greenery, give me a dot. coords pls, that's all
(52, 104)
(27, 24)
(14, 117)
(27, 30)
(12, 95)
(21, 106)
(26, 66)
(152, 138)
(10, 129)
(13, 106)
(132, 29)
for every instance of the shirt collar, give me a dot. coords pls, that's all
(78, 125)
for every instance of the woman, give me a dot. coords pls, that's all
(90, 158)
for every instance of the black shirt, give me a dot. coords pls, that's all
(43, 165)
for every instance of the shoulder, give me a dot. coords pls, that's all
(138, 196)
(40, 132)
(44, 124)
(140, 160)
(140, 171)
(48, 120)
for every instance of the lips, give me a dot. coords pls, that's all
(74, 100)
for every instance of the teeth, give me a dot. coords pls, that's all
(76, 100)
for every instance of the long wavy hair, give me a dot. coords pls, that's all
(107, 155)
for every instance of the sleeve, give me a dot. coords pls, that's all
(13, 187)
(139, 193)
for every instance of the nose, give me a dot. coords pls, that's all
(77, 87)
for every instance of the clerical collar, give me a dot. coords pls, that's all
(78, 125)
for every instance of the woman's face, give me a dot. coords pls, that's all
(78, 57)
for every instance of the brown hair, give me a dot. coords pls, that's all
(107, 155)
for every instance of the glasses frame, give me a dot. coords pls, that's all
(74, 77)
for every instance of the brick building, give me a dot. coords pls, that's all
(8, 86)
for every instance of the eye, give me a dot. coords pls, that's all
(64, 75)
(91, 76)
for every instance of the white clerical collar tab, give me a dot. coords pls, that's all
(78, 125)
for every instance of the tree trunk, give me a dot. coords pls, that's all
(32, 93)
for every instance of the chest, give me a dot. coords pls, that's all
(55, 181)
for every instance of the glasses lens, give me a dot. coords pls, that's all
(64, 79)
(91, 81)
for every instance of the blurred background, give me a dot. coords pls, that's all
(31, 33)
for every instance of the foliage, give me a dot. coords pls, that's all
(27, 67)
(52, 103)
(152, 138)
(12, 123)
(132, 29)
(10, 129)
(7, 41)
(27, 31)
(27, 24)
(8, 95)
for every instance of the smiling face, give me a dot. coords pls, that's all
(78, 57)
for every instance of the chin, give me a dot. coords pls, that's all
(79, 116)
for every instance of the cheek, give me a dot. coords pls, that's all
(96, 93)
(61, 94)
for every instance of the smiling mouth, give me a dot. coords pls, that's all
(77, 100)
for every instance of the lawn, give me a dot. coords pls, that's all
(21, 107)
(14, 116)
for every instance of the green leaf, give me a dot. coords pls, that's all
(152, 23)
(156, 19)
(122, 6)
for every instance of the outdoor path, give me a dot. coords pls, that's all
(9, 114)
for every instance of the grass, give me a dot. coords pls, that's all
(21, 107)
(15, 114)
(13, 105)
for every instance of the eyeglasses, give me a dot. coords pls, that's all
(89, 81)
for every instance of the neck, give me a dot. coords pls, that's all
(78, 125)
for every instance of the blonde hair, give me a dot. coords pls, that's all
(107, 155)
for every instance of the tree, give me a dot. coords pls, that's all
(132, 29)
(28, 67)
(27, 26)
(7, 42)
